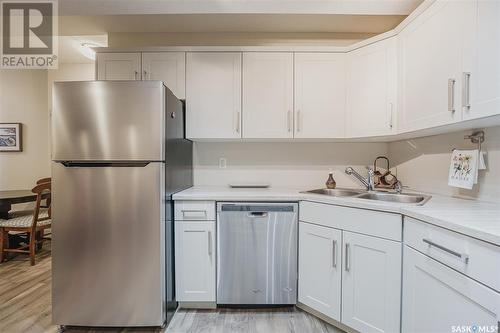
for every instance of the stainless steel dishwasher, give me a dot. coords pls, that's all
(256, 253)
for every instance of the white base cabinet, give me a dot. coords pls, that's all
(320, 268)
(437, 298)
(351, 277)
(371, 283)
(195, 261)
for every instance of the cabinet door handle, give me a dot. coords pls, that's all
(288, 120)
(391, 115)
(451, 95)
(347, 257)
(466, 91)
(135, 75)
(238, 121)
(145, 75)
(299, 125)
(463, 257)
(209, 243)
(334, 254)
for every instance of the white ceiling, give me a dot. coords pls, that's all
(337, 7)
(90, 25)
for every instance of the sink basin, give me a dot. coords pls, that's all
(407, 198)
(419, 199)
(338, 192)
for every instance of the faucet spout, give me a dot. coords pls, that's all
(367, 182)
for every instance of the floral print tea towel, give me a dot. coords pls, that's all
(463, 168)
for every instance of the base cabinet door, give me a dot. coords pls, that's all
(195, 261)
(437, 298)
(320, 268)
(119, 66)
(371, 283)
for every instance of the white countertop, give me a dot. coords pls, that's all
(473, 218)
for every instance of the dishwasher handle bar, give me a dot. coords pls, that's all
(255, 209)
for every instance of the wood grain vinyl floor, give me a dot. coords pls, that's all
(25, 306)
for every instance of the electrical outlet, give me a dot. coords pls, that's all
(222, 163)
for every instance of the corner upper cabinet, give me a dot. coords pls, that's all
(431, 53)
(371, 92)
(169, 67)
(481, 74)
(320, 88)
(118, 66)
(213, 95)
(267, 95)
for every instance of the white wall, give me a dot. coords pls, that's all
(282, 164)
(423, 164)
(23, 99)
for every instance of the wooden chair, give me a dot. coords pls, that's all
(29, 222)
(44, 180)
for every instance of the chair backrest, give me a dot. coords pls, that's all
(43, 180)
(41, 190)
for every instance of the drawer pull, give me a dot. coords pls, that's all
(334, 254)
(461, 256)
(194, 214)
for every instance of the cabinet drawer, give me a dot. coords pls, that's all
(468, 255)
(194, 210)
(369, 222)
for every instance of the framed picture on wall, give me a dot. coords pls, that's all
(11, 137)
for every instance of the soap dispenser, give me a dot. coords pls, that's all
(330, 182)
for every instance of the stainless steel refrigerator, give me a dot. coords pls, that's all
(118, 154)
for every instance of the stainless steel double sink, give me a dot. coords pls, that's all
(404, 198)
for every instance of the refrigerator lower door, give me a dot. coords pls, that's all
(108, 245)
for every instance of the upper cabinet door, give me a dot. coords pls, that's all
(431, 51)
(267, 95)
(371, 283)
(481, 74)
(169, 67)
(371, 92)
(320, 95)
(213, 95)
(119, 66)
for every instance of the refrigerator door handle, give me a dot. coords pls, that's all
(71, 164)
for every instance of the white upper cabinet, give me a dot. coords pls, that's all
(119, 66)
(481, 74)
(320, 80)
(431, 54)
(213, 95)
(169, 67)
(267, 95)
(320, 270)
(371, 93)
(371, 283)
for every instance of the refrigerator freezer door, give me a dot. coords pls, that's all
(109, 245)
(108, 120)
